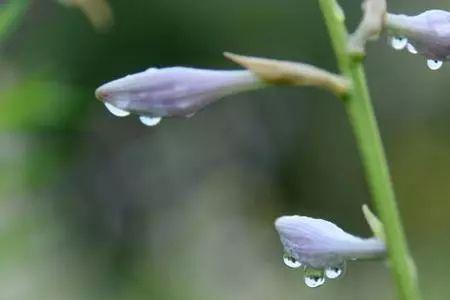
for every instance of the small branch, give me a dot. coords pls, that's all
(279, 72)
(369, 28)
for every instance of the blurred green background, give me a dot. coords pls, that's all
(96, 207)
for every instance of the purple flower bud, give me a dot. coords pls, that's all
(427, 34)
(320, 244)
(173, 92)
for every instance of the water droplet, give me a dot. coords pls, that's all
(116, 111)
(314, 277)
(334, 272)
(411, 48)
(314, 281)
(434, 64)
(149, 121)
(291, 262)
(399, 43)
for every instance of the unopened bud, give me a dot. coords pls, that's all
(427, 34)
(173, 92)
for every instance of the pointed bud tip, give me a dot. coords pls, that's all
(100, 93)
(284, 221)
(374, 223)
(287, 224)
(234, 57)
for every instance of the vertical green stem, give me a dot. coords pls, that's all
(363, 122)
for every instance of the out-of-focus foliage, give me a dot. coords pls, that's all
(98, 12)
(93, 207)
(10, 15)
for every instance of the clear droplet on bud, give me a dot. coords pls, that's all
(434, 64)
(314, 277)
(116, 111)
(411, 48)
(149, 121)
(399, 43)
(334, 272)
(291, 262)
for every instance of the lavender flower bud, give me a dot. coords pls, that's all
(427, 34)
(322, 248)
(173, 92)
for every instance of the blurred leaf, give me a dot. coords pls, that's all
(38, 104)
(10, 15)
(98, 12)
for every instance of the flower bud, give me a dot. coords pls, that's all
(319, 244)
(427, 34)
(173, 92)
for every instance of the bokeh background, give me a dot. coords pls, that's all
(97, 207)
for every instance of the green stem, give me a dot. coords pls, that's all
(363, 122)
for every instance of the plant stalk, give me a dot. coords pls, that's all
(362, 118)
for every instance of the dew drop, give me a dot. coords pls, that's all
(399, 43)
(411, 48)
(291, 262)
(116, 111)
(333, 272)
(434, 64)
(149, 121)
(314, 281)
(314, 277)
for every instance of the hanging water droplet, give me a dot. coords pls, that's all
(149, 121)
(335, 271)
(291, 262)
(314, 281)
(434, 64)
(314, 277)
(411, 48)
(398, 42)
(116, 111)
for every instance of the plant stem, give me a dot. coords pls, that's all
(365, 128)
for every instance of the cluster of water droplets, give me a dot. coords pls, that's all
(400, 43)
(147, 121)
(315, 277)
